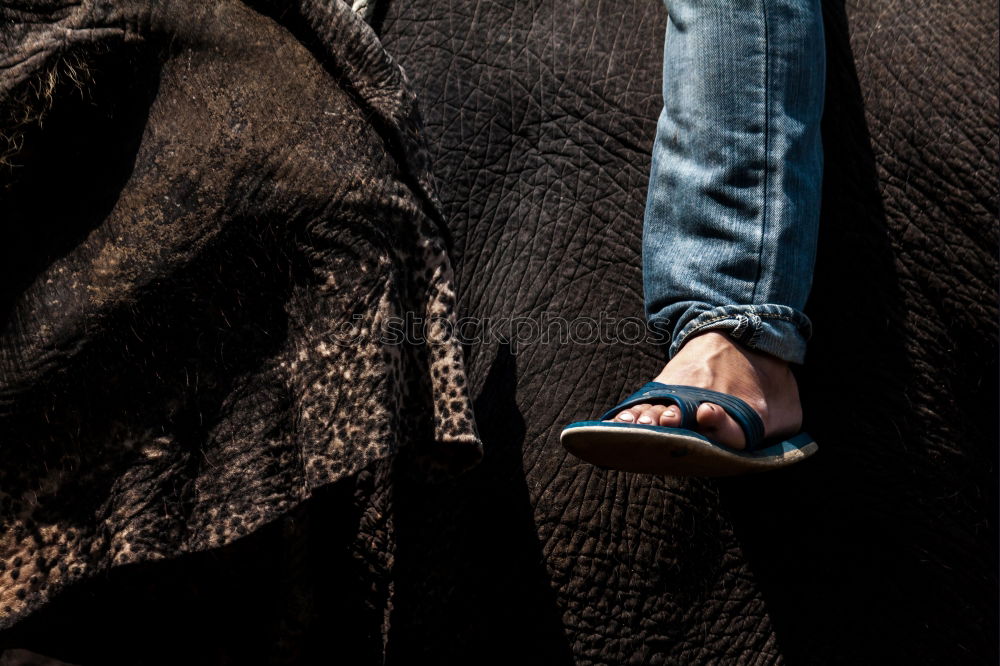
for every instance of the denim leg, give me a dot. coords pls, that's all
(732, 211)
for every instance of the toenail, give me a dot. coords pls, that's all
(626, 416)
(645, 419)
(670, 413)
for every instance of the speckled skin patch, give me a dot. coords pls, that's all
(177, 376)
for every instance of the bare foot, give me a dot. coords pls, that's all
(713, 361)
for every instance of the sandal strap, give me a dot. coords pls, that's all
(657, 393)
(687, 399)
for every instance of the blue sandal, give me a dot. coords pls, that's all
(632, 447)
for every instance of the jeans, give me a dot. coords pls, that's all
(732, 211)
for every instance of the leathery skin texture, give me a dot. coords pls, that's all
(540, 119)
(212, 218)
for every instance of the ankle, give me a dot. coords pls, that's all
(715, 346)
(714, 360)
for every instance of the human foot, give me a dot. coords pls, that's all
(713, 361)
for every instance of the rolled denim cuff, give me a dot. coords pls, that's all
(773, 329)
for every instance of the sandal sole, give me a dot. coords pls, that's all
(675, 451)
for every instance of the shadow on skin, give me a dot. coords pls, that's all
(470, 574)
(72, 164)
(796, 527)
(841, 544)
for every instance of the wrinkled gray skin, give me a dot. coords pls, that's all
(881, 550)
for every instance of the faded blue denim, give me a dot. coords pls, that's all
(732, 211)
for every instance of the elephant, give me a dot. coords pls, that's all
(194, 323)
(882, 549)
(530, 163)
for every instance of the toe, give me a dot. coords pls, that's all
(717, 424)
(630, 415)
(651, 415)
(670, 417)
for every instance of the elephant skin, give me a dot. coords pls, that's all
(538, 122)
(211, 222)
(883, 549)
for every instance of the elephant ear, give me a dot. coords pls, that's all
(348, 47)
(264, 204)
(46, 34)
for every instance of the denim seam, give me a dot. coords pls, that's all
(736, 314)
(754, 337)
(758, 328)
(767, 151)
